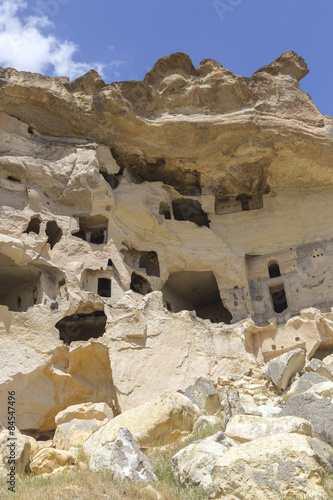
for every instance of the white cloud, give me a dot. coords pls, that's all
(26, 45)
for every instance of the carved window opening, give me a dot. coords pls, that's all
(165, 210)
(93, 229)
(104, 287)
(13, 179)
(279, 299)
(244, 200)
(274, 269)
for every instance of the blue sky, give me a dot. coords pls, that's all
(122, 39)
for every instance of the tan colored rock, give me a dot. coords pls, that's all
(33, 444)
(281, 369)
(318, 366)
(243, 428)
(158, 422)
(265, 469)
(325, 389)
(48, 460)
(86, 411)
(75, 432)
(14, 453)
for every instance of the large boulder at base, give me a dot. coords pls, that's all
(18, 448)
(318, 366)
(75, 432)
(160, 421)
(305, 382)
(270, 468)
(203, 394)
(123, 458)
(280, 370)
(87, 411)
(315, 408)
(194, 464)
(48, 460)
(243, 428)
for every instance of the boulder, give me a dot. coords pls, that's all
(160, 421)
(75, 432)
(34, 445)
(87, 411)
(328, 360)
(123, 458)
(48, 460)
(249, 405)
(269, 410)
(243, 428)
(325, 389)
(194, 464)
(318, 366)
(206, 421)
(305, 382)
(315, 408)
(271, 468)
(16, 447)
(203, 394)
(281, 369)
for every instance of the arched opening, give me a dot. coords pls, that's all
(104, 287)
(279, 299)
(244, 199)
(34, 225)
(195, 291)
(78, 327)
(53, 233)
(274, 269)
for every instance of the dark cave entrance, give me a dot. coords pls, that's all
(274, 270)
(279, 299)
(78, 327)
(198, 291)
(139, 284)
(104, 287)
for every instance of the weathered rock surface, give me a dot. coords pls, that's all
(232, 407)
(325, 389)
(75, 432)
(318, 366)
(316, 409)
(203, 394)
(14, 453)
(243, 428)
(281, 369)
(158, 422)
(48, 460)
(287, 465)
(87, 411)
(305, 382)
(123, 458)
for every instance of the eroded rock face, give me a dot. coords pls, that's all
(153, 232)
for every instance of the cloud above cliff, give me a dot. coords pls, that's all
(27, 44)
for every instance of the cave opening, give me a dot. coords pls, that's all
(53, 233)
(19, 285)
(139, 284)
(279, 299)
(198, 291)
(185, 209)
(93, 229)
(34, 225)
(81, 327)
(245, 201)
(104, 287)
(147, 260)
(165, 210)
(13, 179)
(274, 269)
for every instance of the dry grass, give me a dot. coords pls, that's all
(82, 484)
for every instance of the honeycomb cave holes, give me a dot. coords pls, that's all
(53, 233)
(198, 291)
(139, 284)
(34, 225)
(81, 327)
(274, 269)
(93, 229)
(185, 209)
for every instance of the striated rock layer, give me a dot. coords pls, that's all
(154, 232)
